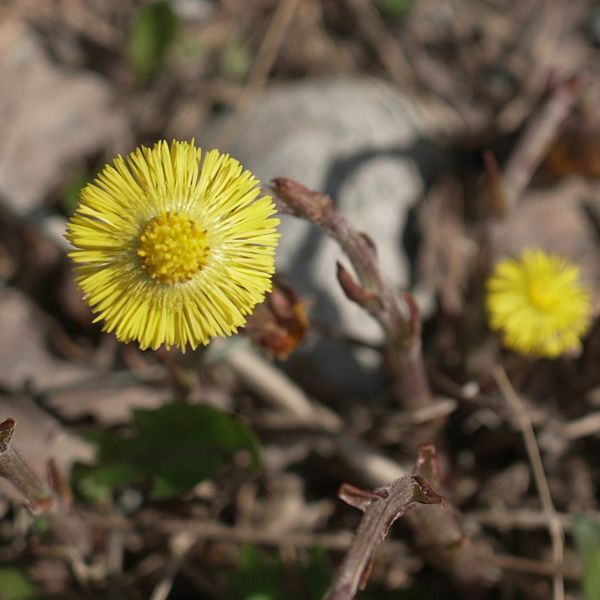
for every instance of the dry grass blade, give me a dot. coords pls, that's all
(388, 49)
(524, 518)
(536, 140)
(533, 452)
(181, 544)
(259, 73)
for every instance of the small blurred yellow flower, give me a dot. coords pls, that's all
(538, 304)
(175, 247)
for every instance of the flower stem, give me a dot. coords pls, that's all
(402, 332)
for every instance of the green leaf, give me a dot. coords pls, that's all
(96, 483)
(153, 31)
(70, 197)
(394, 8)
(39, 525)
(190, 49)
(235, 60)
(15, 586)
(174, 447)
(260, 576)
(316, 574)
(587, 539)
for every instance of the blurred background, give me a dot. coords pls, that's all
(405, 112)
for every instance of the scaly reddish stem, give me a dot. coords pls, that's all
(402, 332)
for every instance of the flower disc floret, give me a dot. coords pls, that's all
(174, 246)
(538, 304)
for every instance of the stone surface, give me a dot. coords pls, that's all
(361, 142)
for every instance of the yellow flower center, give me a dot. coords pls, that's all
(172, 248)
(544, 295)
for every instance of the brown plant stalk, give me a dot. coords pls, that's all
(438, 530)
(381, 507)
(440, 533)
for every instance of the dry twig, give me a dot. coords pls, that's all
(259, 73)
(533, 452)
(213, 530)
(524, 518)
(374, 467)
(276, 387)
(534, 567)
(536, 140)
(582, 427)
(181, 543)
(388, 49)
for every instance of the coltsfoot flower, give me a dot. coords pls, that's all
(538, 304)
(175, 246)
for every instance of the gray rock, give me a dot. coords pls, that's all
(360, 141)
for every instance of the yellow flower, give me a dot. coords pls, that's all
(538, 304)
(175, 247)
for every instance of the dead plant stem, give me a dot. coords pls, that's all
(259, 72)
(533, 452)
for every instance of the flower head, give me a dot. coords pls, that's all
(174, 246)
(538, 304)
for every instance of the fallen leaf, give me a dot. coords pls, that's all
(50, 118)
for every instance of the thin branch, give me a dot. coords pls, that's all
(375, 468)
(274, 386)
(536, 140)
(533, 452)
(437, 529)
(213, 530)
(114, 564)
(259, 73)
(181, 543)
(386, 45)
(582, 427)
(535, 567)
(524, 518)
